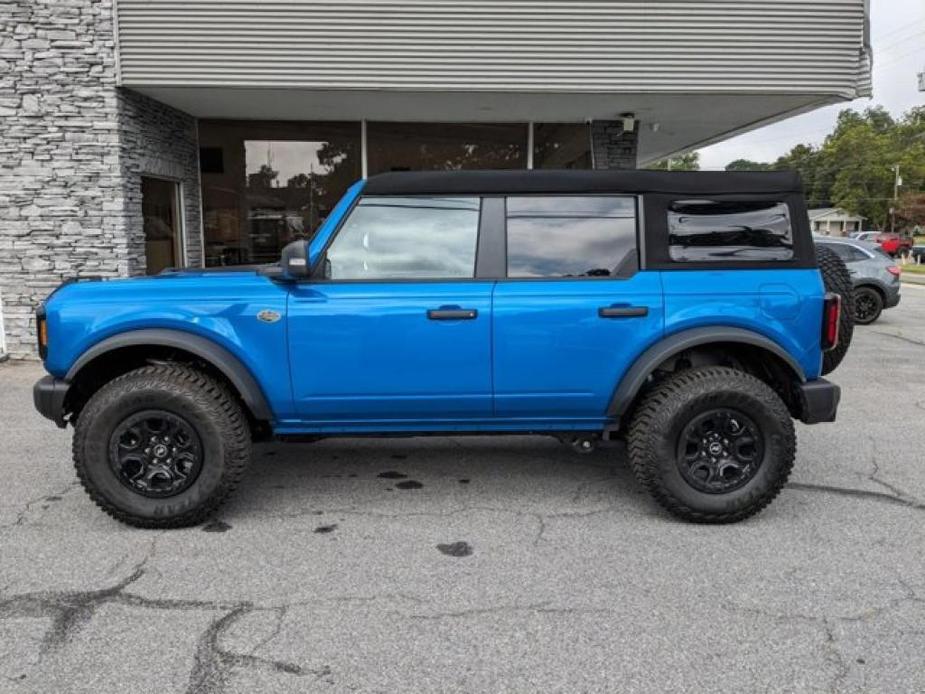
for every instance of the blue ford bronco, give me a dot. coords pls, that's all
(687, 313)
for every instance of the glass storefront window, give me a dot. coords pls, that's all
(445, 146)
(266, 184)
(561, 146)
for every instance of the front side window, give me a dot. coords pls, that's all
(569, 236)
(389, 237)
(724, 231)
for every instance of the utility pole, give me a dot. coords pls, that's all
(897, 181)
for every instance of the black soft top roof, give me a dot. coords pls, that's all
(583, 181)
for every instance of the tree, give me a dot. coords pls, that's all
(263, 178)
(854, 167)
(911, 210)
(807, 161)
(860, 156)
(747, 165)
(689, 161)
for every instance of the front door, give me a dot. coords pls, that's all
(398, 332)
(574, 312)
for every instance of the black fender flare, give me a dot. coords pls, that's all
(207, 350)
(674, 344)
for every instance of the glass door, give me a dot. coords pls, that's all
(160, 208)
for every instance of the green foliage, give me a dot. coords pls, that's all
(690, 161)
(853, 168)
(911, 211)
(748, 165)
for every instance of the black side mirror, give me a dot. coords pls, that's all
(294, 260)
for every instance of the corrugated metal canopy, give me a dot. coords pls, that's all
(700, 70)
(792, 46)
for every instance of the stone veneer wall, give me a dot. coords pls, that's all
(72, 149)
(158, 140)
(611, 147)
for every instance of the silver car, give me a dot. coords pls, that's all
(875, 275)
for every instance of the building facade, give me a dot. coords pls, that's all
(144, 134)
(834, 221)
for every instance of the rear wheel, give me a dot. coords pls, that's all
(712, 445)
(161, 447)
(837, 279)
(868, 305)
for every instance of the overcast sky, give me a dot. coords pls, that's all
(897, 30)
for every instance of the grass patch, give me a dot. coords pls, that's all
(914, 269)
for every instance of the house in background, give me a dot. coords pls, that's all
(834, 221)
(142, 134)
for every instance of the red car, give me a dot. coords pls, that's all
(894, 244)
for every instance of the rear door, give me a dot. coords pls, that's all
(574, 310)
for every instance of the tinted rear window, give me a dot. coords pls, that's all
(569, 236)
(724, 231)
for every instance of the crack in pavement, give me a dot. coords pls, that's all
(910, 340)
(857, 493)
(874, 477)
(834, 655)
(827, 625)
(27, 508)
(213, 665)
(69, 611)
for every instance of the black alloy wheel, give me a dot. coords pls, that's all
(867, 305)
(719, 451)
(155, 453)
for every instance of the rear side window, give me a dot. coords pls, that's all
(569, 236)
(723, 230)
(846, 252)
(389, 237)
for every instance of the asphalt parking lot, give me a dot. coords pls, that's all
(481, 564)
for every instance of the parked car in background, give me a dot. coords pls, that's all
(894, 244)
(874, 274)
(863, 235)
(918, 253)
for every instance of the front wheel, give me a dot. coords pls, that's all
(161, 447)
(712, 444)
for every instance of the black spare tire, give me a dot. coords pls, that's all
(836, 279)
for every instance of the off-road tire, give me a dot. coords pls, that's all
(206, 404)
(836, 278)
(656, 428)
(871, 302)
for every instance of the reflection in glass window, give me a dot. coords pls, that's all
(406, 237)
(565, 236)
(161, 214)
(716, 231)
(266, 184)
(561, 146)
(846, 252)
(445, 146)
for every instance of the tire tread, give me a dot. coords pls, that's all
(650, 419)
(194, 383)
